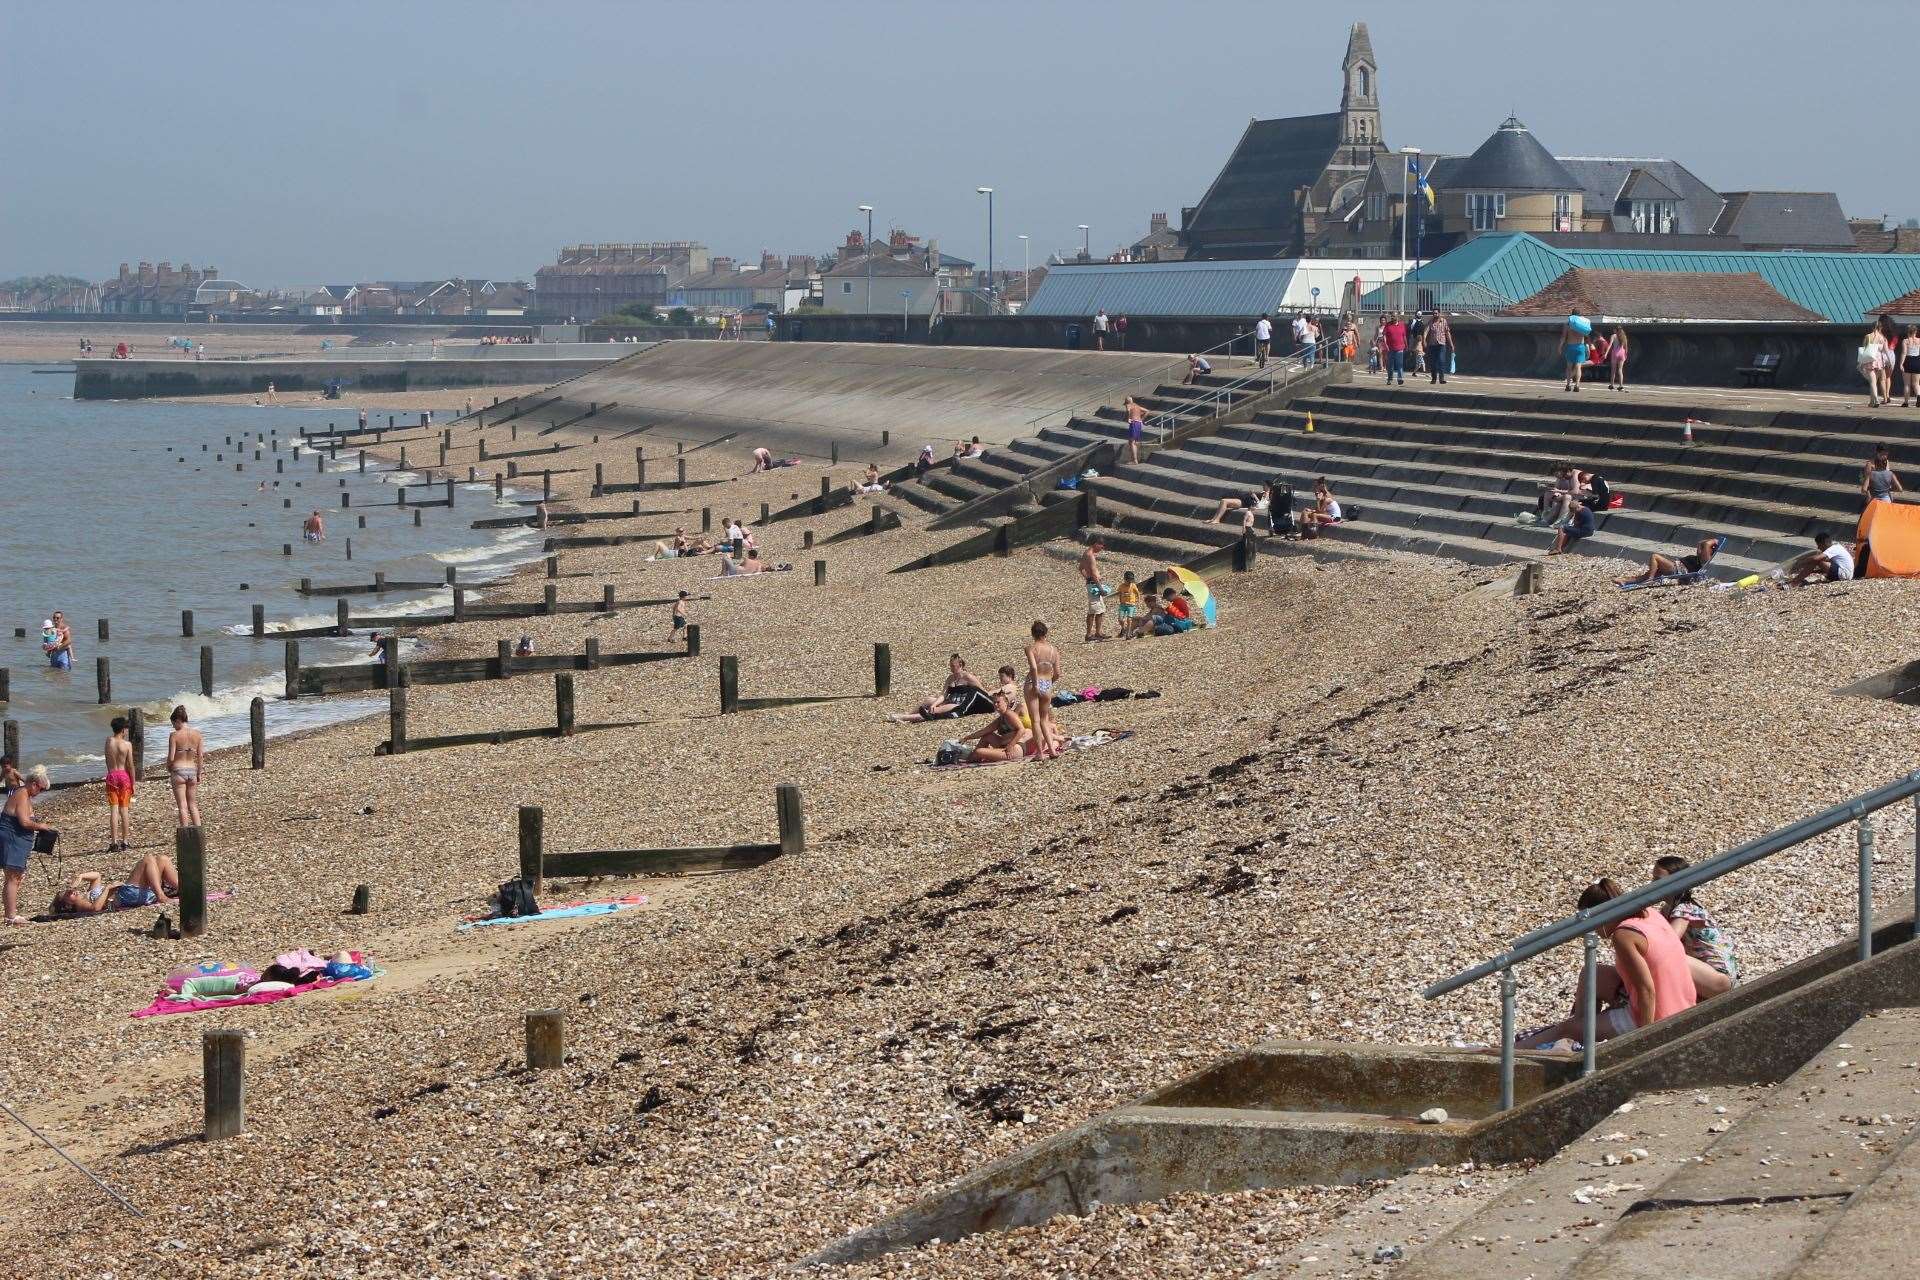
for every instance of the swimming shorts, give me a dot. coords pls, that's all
(119, 786)
(1127, 612)
(679, 623)
(132, 895)
(1576, 353)
(61, 659)
(1135, 429)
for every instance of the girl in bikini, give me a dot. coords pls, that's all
(186, 751)
(1043, 670)
(153, 879)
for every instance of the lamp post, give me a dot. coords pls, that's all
(1086, 244)
(868, 210)
(988, 193)
(1026, 275)
(904, 295)
(1408, 156)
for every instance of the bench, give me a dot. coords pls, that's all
(1762, 372)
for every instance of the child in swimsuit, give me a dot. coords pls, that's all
(1043, 670)
(680, 614)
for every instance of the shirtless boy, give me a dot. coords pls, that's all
(119, 754)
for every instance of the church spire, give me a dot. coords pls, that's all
(1360, 91)
(1359, 46)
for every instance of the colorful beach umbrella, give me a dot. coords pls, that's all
(1197, 588)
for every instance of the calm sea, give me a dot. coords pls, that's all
(113, 510)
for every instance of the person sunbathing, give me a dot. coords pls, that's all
(683, 546)
(963, 695)
(152, 879)
(1663, 566)
(1251, 507)
(752, 564)
(871, 482)
(1004, 738)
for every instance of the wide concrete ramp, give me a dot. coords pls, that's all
(802, 398)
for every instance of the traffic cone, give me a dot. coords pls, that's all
(1309, 422)
(1686, 431)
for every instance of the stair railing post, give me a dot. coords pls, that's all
(1509, 989)
(1864, 832)
(1590, 1011)
(1916, 868)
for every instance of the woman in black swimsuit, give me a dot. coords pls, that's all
(963, 695)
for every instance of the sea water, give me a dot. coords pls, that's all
(111, 509)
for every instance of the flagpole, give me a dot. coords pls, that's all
(1407, 157)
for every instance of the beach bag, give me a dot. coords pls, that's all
(952, 751)
(1068, 482)
(515, 899)
(43, 841)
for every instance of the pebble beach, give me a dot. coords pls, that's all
(1370, 774)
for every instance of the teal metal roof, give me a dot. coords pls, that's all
(1843, 287)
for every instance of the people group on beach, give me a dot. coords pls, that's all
(56, 641)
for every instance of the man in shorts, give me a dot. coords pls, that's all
(59, 649)
(119, 754)
(1096, 589)
(1262, 340)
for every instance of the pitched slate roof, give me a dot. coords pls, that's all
(1254, 193)
(1662, 295)
(1512, 159)
(883, 265)
(1810, 219)
(1606, 180)
(1840, 286)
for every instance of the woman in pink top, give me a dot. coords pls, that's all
(1649, 969)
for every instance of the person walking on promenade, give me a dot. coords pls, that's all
(1617, 359)
(1395, 333)
(119, 753)
(1262, 340)
(58, 646)
(1873, 356)
(1100, 329)
(1043, 672)
(1910, 366)
(1573, 346)
(186, 757)
(18, 828)
(1439, 348)
(1096, 589)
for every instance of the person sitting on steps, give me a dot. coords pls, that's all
(1649, 969)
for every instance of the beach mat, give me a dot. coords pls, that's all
(1080, 742)
(730, 577)
(566, 911)
(165, 1003)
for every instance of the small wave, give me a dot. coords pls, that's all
(400, 477)
(230, 700)
(299, 622)
(523, 544)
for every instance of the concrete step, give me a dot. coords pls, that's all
(1778, 1181)
(921, 496)
(1876, 1235)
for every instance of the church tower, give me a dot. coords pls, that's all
(1360, 92)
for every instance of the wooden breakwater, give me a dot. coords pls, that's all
(309, 682)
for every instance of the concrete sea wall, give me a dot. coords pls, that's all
(136, 379)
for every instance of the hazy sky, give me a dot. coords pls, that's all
(340, 140)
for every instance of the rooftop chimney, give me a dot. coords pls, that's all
(123, 271)
(1156, 223)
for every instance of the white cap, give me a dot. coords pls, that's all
(46, 624)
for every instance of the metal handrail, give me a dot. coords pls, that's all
(1221, 398)
(1101, 396)
(1585, 924)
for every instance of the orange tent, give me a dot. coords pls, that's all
(1891, 531)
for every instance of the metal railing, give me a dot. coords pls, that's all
(1105, 394)
(1218, 400)
(1584, 924)
(1456, 297)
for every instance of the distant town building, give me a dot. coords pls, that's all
(733, 286)
(1160, 244)
(163, 291)
(933, 281)
(591, 280)
(1873, 235)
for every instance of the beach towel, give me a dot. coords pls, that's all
(733, 577)
(163, 904)
(169, 1002)
(1666, 580)
(1079, 742)
(567, 911)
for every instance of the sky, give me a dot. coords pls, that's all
(331, 141)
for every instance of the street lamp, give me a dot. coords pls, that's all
(1410, 155)
(1026, 289)
(988, 193)
(1086, 250)
(868, 210)
(904, 295)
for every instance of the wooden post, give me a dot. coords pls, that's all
(390, 659)
(553, 566)
(459, 604)
(599, 477)
(379, 580)
(833, 452)
(640, 466)
(349, 548)
(6, 685)
(449, 493)
(729, 685)
(396, 719)
(549, 599)
(402, 503)
(206, 671)
(792, 817)
(882, 670)
(1003, 540)
(293, 670)
(533, 835)
(819, 573)
(417, 513)
(546, 1039)
(10, 740)
(806, 540)
(606, 598)
(681, 464)
(546, 486)
(286, 548)
(499, 487)
(186, 623)
(593, 651)
(362, 900)
(223, 1081)
(137, 738)
(706, 519)
(340, 617)
(1244, 552)
(503, 658)
(363, 462)
(563, 702)
(820, 503)
(102, 681)
(101, 627)
(257, 732)
(259, 621)
(453, 575)
(886, 438)
(190, 860)
(693, 640)
(766, 514)
(875, 515)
